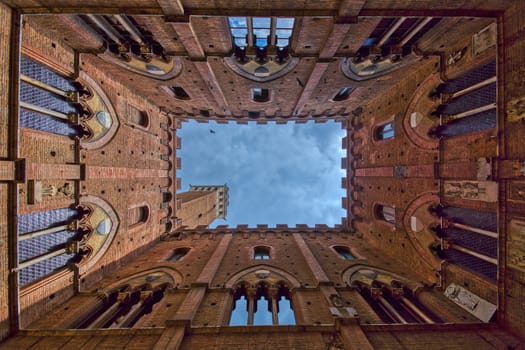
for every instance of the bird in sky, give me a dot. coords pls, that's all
(212, 131)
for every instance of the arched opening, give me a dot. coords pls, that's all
(138, 117)
(180, 93)
(179, 254)
(138, 215)
(386, 213)
(384, 132)
(344, 252)
(343, 94)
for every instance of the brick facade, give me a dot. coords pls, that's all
(400, 231)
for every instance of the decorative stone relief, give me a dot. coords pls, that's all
(38, 191)
(484, 39)
(469, 301)
(455, 56)
(486, 191)
(484, 169)
(516, 109)
(516, 245)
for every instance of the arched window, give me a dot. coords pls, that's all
(179, 254)
(384, 132)
(343, 94)
(386, 213)
(138, 215)
(392, 301)
(180, 93)
(261, 95)
(46, 242)
(261, 253)
(123, 308)
(239, 315)
(263, 305)
(344, 252)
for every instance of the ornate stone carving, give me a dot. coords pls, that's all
(486, 191)
(469, 301)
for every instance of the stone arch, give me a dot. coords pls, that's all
(101, 223)
(260, 273)
(162, 276)
(249, 70)
(416, 124)
(102, 123)
(415, 228)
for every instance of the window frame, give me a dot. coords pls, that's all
(380, 214)
(264, 250)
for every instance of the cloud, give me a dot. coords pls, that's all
(285, 174)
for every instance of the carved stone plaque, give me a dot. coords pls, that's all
(484, 39)
(469, 301)
(516, 245)
(486, 191)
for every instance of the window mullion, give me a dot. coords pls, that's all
(273, 297)
(251, 293)
(272, 31)
(250, 31)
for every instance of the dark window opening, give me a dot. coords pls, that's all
(386, 213)
(180, 93)
(261, 95)
(179, 254)
(385, 132)
(261, 253)
(343, 94)
(344, 252)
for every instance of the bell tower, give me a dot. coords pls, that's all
(202, 204)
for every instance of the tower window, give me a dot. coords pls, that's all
(180, 93)
(138, 215)
(261, 253)
(343, 94)
(385, 131)
(344, 252)
(179, 254)
(386, 213)
(261, 32)
(261, 95)
(138, 117)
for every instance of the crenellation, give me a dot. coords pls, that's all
(101, 250)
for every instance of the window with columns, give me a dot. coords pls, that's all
(48, 101)
(390, 299)
(468, 102)
(469, 238)
(263, 304)
(122, 308)
(47, 241)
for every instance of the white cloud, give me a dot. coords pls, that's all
(276, 173)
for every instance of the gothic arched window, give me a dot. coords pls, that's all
(344, 252)
(262, 305)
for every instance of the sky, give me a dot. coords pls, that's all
(276, 174)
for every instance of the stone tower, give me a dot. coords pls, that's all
(201, 205)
